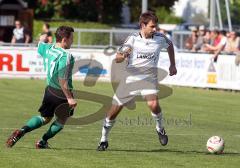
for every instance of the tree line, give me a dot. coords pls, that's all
(103, 11)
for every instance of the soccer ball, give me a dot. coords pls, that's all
(215, 145)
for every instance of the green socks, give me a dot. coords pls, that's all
(52, 131)
(34, 123)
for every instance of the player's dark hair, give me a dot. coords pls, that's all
(63, 31)
(146, 17)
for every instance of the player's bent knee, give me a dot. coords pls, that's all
(62, 120)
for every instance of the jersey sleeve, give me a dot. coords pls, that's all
(164, 42)
(64, 67)
(42, 48)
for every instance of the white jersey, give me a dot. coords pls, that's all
(145, 52)
(140, 76)
(18, 33)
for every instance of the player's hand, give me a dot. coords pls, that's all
(72, 103)
(172, 70)
(126, 55)
(43, 37)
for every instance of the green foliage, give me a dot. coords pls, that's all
(111, 11)
(165, 16)
(45, 11)
(84, 11)
(234, 6)
(136, 8)
(86, 38)
(104, 11)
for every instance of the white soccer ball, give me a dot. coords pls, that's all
(215, 145)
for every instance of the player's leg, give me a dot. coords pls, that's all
(56, 125)
(34, 123)
(107, 125)
(54, 128)
(153, 104)
(120, 99)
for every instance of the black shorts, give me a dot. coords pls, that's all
(55, 102)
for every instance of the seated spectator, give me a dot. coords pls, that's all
(218, 44)
(192, 39)
(46, 34)
(20, 34)
(233, 43)
(207, 37)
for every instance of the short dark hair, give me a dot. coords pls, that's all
(146, 17)
(63, 31)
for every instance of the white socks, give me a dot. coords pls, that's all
(159, 122)
(107, 125)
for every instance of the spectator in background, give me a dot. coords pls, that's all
(219, 43)
(233, 43)
(46, 35)
(207, 37)
(20, 34)
(192, 39)
(200, 39)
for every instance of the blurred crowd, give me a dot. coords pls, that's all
(214, 42)
(200, 39)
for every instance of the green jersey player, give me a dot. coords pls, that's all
(59, 64)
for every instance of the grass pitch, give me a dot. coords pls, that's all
(191, 116)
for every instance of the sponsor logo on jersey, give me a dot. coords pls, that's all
(143, 55)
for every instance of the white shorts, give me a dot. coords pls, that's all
(134, 86)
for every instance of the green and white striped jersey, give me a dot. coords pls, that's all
(58, 63)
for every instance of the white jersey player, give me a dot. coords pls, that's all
(141, 51)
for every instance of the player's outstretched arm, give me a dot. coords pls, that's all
(172, 68)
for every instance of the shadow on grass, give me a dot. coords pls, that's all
(176, 151)
(194, 152)
(143, 151)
